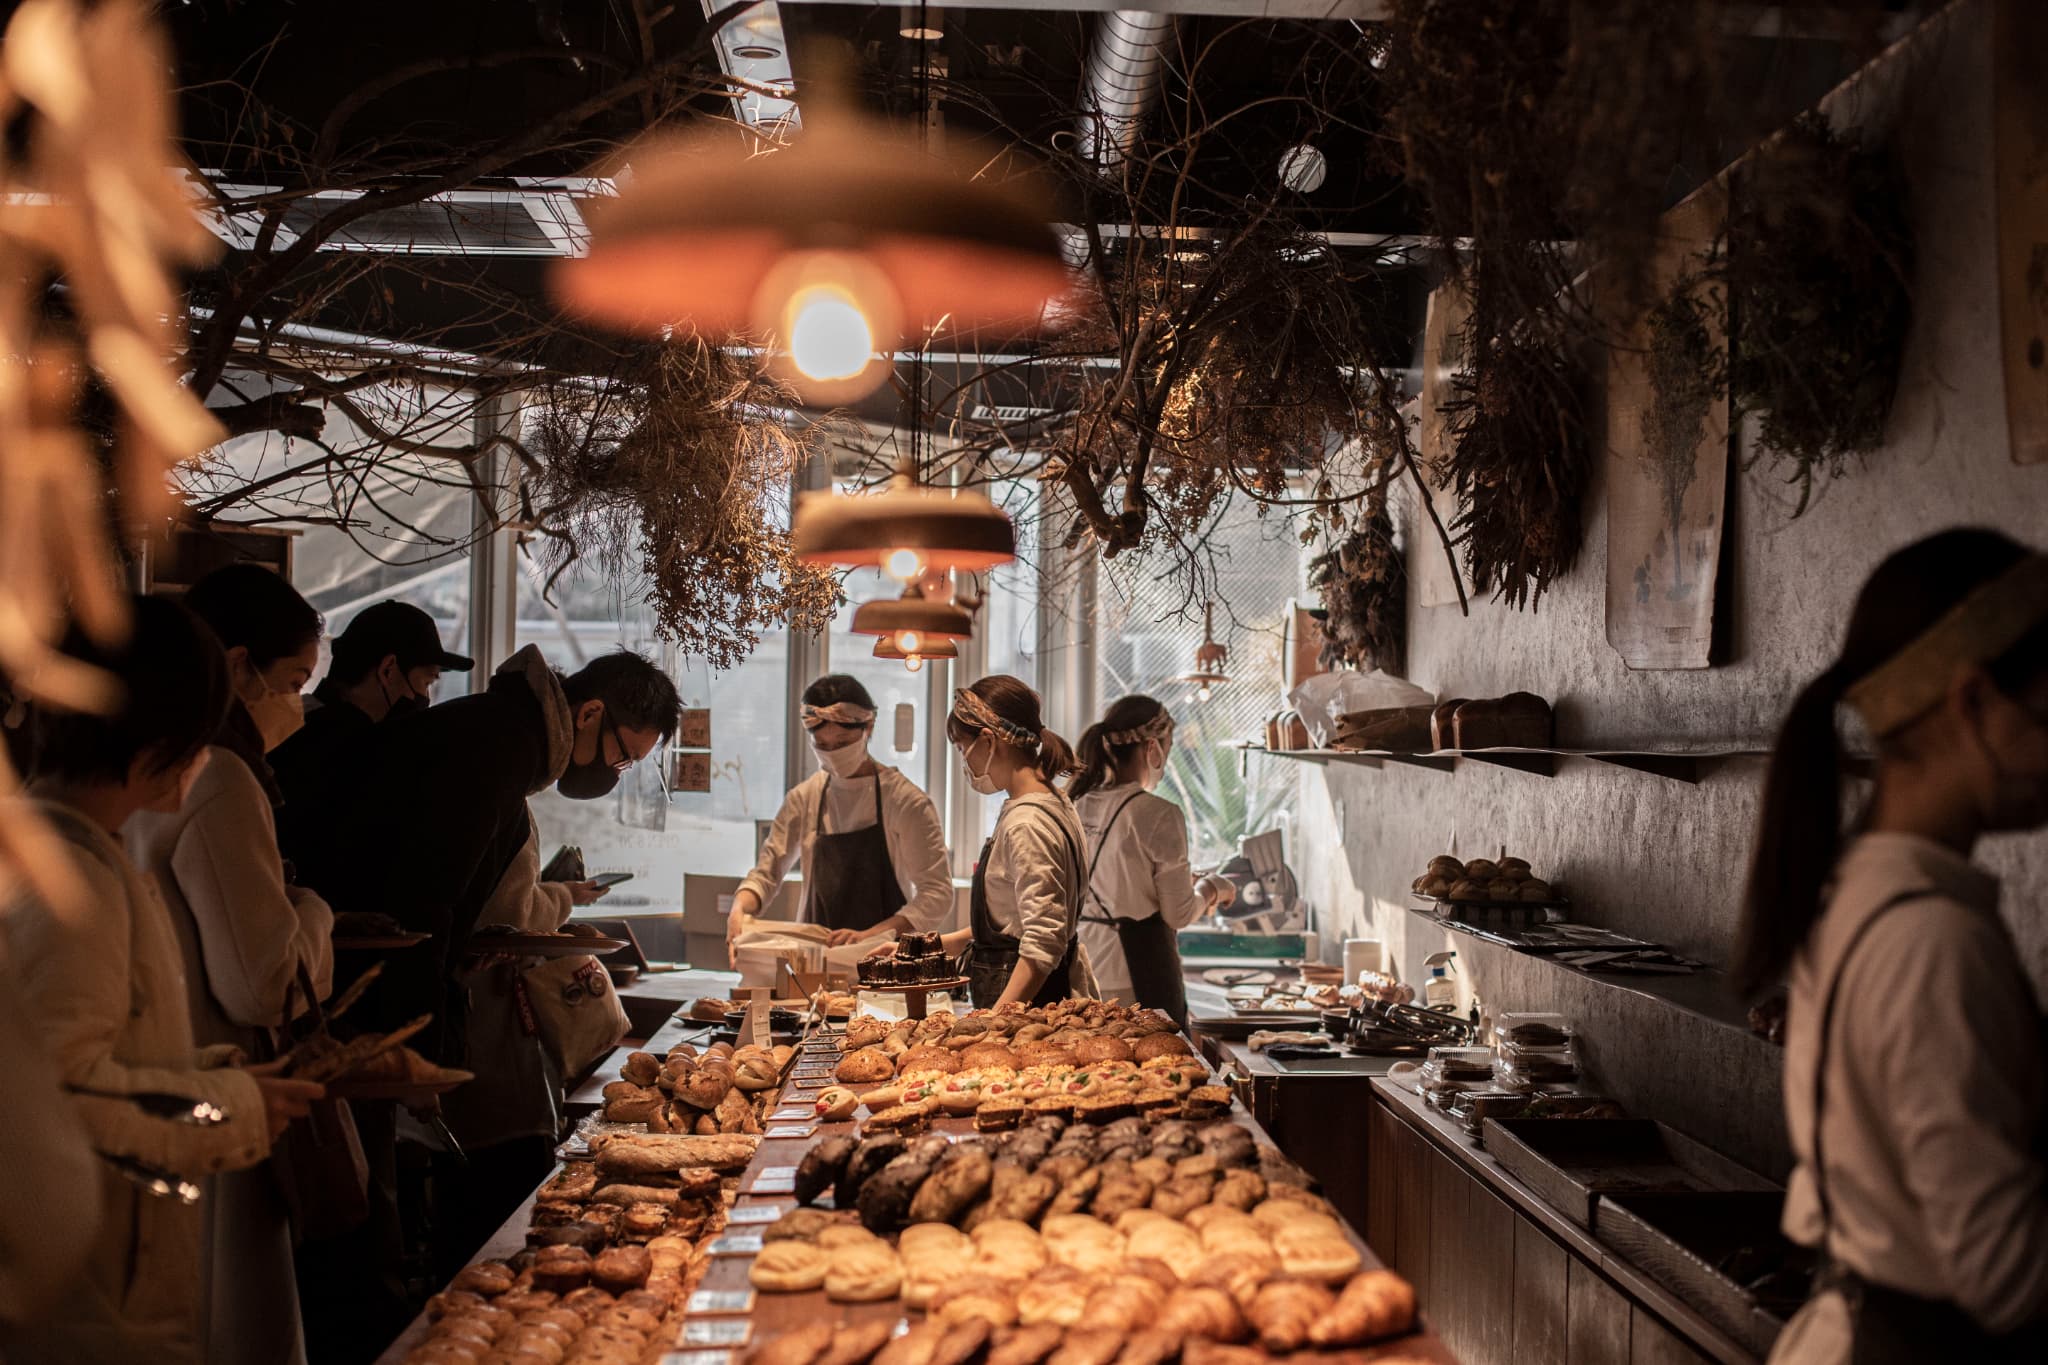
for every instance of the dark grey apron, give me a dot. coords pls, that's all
(1150, 948)
(849, 882)
(994, 955)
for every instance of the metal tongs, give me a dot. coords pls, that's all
(160, 1183)
(1419, 1024)
(162, 1104)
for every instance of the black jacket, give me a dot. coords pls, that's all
(325, 751)
(422, 830)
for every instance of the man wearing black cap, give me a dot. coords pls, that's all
(385, 664)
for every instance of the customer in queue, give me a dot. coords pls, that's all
(102, 981)
(1916, 1081)
(1027, 882)
(1140, 889)
(250, 940)
(867, 838)
(385, 665)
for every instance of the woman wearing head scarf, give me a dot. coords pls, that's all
(868, 840)
(1140, 889)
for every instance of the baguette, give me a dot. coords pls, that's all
(635, 1154)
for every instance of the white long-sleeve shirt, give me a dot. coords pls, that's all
(917, 844)
(1031, 875)
(1140, 857)
(1934, 1100)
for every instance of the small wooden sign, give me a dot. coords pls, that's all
(694, 731)
(691, 773)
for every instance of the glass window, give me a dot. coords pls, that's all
(1146, 637)
(633, 830)
(1009, 624)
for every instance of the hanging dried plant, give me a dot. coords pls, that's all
(1520, 462)
(1687, 370)
(1364, 588)
(670, 480)
(1818, 270)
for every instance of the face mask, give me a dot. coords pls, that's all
(394, 707)
(980, 781)
(588, 781)
(842, 762)
(1155, 765)
(278, 716)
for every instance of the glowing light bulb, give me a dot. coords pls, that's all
(908, 641)
(914, 662)
(903, 564)
(828, 312)
(829, 336)
(1202, 692)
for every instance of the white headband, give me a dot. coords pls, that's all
(1976, 630)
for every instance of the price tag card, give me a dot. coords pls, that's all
(717, 1331)
(775, 1180)
(745, 1215)
(697, 1358)
(791, 1130)
(737, 1244)
(820, 1071)
(721, 1301)
(790, 1115)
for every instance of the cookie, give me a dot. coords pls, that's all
(788, 1268)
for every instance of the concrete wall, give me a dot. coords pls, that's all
(1661, 858)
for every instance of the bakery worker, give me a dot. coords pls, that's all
(1140, 889)
(382, 667)
(868, 839)
(1027, 884)
(1916, 1080)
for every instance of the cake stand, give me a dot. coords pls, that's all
(913, 995)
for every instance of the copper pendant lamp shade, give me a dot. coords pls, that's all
(906, 529)
(912, 621)
(930, 649)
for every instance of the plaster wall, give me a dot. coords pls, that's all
(1657, 857)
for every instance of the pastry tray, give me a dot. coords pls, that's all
(1513, 913)
(1722, 1253)
(1571, 1163)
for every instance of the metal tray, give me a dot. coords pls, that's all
(1696, 1245)
(1570, 1163)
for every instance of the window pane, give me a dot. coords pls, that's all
(1146, 639)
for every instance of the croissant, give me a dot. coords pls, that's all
(1125, 1304)
(1203, 1310)
(1081, 1347)
(1376, 1303)
(1027, 1345)
(1283, 1311)
(1149, 1348)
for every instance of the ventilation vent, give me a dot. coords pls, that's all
(985, 413)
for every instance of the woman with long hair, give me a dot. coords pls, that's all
(1140, 889)
(250, 938)
(1915, 1073)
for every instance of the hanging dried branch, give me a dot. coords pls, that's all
(666, 480)
(1364, 589)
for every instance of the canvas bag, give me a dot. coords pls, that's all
(577, 1012)
(319, 1162)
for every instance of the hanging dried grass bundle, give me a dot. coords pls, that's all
(1818, 268)
(672, 483)
(1364, 588)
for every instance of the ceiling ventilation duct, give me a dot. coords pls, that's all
(1119, 86)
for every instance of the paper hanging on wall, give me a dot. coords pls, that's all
(2020, 135)
(1443, 355)
(694, 730)
(692, 773)
(1666, 463)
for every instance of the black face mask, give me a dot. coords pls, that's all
(394, 707)
(588, 781)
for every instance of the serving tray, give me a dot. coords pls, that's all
(1571, 1163)
(1722, 1253)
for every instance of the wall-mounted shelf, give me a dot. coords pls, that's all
(1681, 764)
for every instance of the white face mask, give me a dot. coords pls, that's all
(1155, 765)
(842, 762)
(278, 715)
(981, 781)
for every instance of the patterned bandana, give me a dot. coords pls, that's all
(1976, 630)
(1160, 727)
(972, 711)
(838, 713)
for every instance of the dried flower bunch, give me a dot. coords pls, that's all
(1364, 588)
(1818, 270)
(669, 478)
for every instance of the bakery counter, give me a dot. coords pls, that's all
(1511, 1280)
(588, 1096)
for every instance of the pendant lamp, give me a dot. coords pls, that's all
(912, 621)
(1209, 658)
(829, 246)
(906, 530)
(929, 649)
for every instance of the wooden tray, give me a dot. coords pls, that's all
(1687, 1243)
(404, 1092)
(542, 945)
(378, 942)
(1572, 1162)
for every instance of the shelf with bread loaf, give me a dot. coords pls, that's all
(1517, 731)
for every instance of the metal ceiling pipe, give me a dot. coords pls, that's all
(1118, 88)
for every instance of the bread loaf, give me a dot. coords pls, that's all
(1399, 729)
(635, 1154)
(1443, 731)
(1520, 720)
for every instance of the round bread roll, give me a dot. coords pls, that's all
(1533, 890)
(1513, 874)
(1161, 1045)
(1511, 865)
(865, 1066)
(863, 1274)
(788, 1268)
(1503, 889)
(975, 1299)
(1482, 869)
(488, 1278)
(1444, 865)
(994, 1056)
(1103, 1049)
(926, 1057)
(1438, 887)
(1468, 890)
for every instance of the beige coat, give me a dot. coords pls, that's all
(105, 988)
(244, 934)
